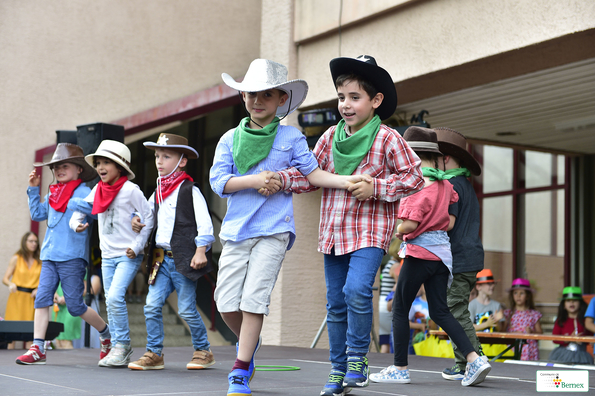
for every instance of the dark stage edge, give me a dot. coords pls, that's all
(75, 372)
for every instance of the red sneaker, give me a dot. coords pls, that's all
(106, 346)
(33, 356)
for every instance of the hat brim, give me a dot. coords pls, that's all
(376, 75)
(521, 288)
(296, 89)
(188, 151)
(465, 156)
(86, 175)
(90, 158)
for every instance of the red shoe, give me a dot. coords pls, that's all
(33, 356)
(106, 346)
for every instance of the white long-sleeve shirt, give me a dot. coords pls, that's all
(167, 215)
(115, 229)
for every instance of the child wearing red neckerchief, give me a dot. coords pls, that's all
(183, 229)
(114, 200)
(64, 253)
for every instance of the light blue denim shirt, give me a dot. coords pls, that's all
(250, 214)
(60, 242)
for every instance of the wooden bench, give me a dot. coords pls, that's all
(516, 340)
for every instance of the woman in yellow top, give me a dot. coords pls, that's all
(22, 279)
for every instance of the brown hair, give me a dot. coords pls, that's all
(430, 157)
(529, 301)
(363, 83)
(123, 172)
(24, 252)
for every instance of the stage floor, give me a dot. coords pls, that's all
(75, 372)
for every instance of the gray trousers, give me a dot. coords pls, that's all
(457, 298)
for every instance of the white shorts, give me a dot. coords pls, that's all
(248, 272)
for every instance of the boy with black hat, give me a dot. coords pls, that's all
(466, 246)
(64, 253)
(184, 231)
(257, 230)
(356, 229)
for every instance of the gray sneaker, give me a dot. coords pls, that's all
(119, 356)
(476, 372)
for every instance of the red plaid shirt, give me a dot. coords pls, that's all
(346, 223)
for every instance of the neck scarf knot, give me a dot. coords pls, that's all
(437, 174)
(349, 151)
(167, 185)
(60, 194)
(105, 194)
(250, 146)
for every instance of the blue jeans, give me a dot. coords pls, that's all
(350, 306)
(167, 280)
(117, 274)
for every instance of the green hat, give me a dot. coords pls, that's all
(572, 293)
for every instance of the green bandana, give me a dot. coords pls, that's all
(437, 174)
(348, 152)
(250, 146)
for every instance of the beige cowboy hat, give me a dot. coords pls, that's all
(265, 74)
(173, 142)
(68, 152)
(115, 151)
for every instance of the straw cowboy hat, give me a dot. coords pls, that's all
(422, 139)
(265, 74)
(68, 152)
(366, 67)
(115, 151)
(175, 143)
(454, 143)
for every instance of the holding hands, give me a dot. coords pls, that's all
(268, 183)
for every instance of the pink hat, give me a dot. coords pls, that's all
(521, 283)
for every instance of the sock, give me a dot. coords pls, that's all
(105, 334)
(40, 344)
(239, 364)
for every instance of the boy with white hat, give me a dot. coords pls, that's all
(257, 230)
(184, 232)
(64, 253)
(113, 200)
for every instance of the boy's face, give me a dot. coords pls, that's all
(166, 161)
(486, 288)
(66, 172)
(355, 106)
(263, 105)
(107, 170)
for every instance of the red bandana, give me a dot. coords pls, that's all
(60, 194)
(105, 194)
(168, 185)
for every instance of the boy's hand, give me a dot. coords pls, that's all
(199, 260)
(362, 190)
(399, 235)
(130, 253)
(353, 179)
(34, 178)
(137, 226)
(82, 227)
(268, 183)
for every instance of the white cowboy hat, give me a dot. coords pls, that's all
(115, 151)
(265, 74)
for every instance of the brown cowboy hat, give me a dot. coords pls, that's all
(454, 143)
(68, 152)
(422, 139)
(175, 143)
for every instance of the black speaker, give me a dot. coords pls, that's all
(90, 135)
(22, 330)
(66, 137)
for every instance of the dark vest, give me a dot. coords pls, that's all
(182, 239)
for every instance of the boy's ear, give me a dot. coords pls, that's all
(377, 100)
(283, 98)
(183, 162)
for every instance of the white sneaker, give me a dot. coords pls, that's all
(476, 372)
(119, 356)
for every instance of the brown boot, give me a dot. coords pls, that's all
(149, 361)
(201, 360)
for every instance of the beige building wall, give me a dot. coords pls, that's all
(68, 63)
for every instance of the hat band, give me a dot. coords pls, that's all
(117, 156)
(485, 279)
(423, 145)
(572, 295)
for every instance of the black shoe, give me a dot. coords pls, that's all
(455, 373)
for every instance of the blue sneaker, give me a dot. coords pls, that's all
(392, 375)
(476, 372)
(251, 369)
(357, 372)
(334, 385)
(239, 383)
(455, 373)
